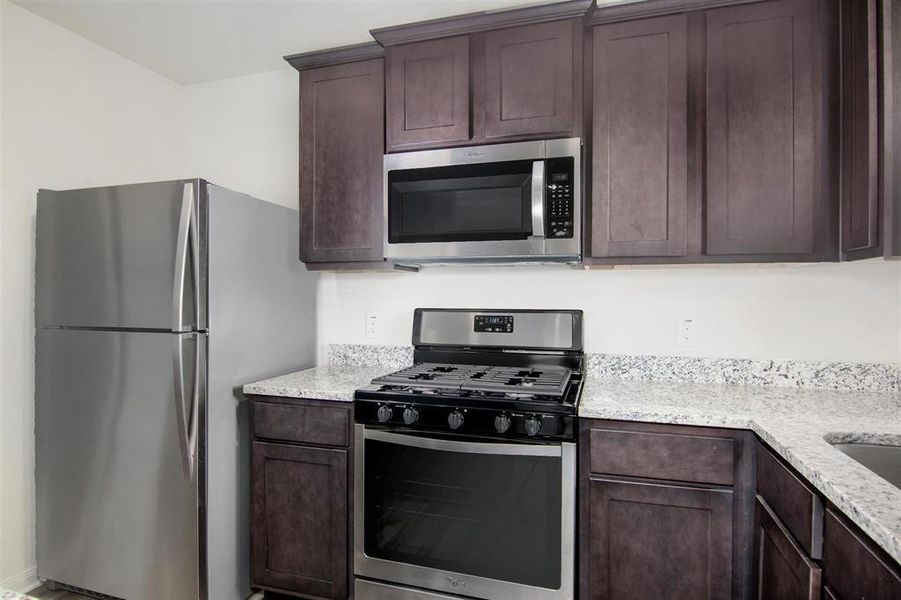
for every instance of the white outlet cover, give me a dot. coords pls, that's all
(686, 332)
(371, 328)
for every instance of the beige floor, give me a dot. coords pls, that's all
(44, 594)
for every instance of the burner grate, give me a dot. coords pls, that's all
(513, 381)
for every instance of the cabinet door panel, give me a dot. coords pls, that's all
(659, 541)
(783, 568)
(760, 129)
(531, 80)
(640, 114)
(855, 568)
(860, 137)
(299, 516)
(341, 149)
(428, 93)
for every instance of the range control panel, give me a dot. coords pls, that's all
(559, 198)
(493, 323)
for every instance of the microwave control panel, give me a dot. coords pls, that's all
(559, 203)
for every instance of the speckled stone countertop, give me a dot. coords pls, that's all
(794, 422)
(333, 382)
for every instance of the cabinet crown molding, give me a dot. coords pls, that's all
(639, 9)
(480, 21)
(335, 56)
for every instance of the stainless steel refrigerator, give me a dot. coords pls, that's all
(154, 304)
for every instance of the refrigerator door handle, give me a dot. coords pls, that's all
(181, 257)
(194, 231)
(186, 417)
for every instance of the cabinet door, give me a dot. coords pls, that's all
(639, 159)
(299, 519)
(860, 137)
(532, 83)
(428, 93)
(855, 568)
(760, 130)
(341, 149)
(659, 541)
(783, 568)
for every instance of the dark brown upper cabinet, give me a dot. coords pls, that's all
(715, 133)
(533, 83)
(485, 77)
(861, 197)
(890, 123)
(770, 191)
(341, 148)
(639, 202)
(427, 91)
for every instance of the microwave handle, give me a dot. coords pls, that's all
(538, 199)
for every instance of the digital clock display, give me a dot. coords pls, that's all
(560, 177)
(493, 324)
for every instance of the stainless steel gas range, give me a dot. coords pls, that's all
(465, 464)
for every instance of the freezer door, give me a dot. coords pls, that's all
(129, 256)
(117, 505)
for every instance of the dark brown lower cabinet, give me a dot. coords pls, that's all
(784, 570)
(654, 540)
(854, 567)
(299, 513)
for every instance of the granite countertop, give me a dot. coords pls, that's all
(796, 423)
(334, 382)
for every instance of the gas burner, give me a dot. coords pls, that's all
(529, 373)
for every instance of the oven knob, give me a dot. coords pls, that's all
(502, 423)
(533, 425)
(411, 415)
(455, 419)
(385, 413)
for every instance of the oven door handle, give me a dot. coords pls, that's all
(538, 199)
(462, 447)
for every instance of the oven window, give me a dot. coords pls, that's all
(464, 203)
(494, 516)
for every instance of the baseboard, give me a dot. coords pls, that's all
(22, 582)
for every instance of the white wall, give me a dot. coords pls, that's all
(242, 133)
(74, 115)
(845, 312)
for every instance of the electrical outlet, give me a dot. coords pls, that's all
(373, 328)
(686, 332)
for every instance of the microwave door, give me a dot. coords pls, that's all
(466, 211)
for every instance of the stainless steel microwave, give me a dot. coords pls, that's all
(504, 203)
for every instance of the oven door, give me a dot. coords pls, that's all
(485, 203)
(475, 518)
